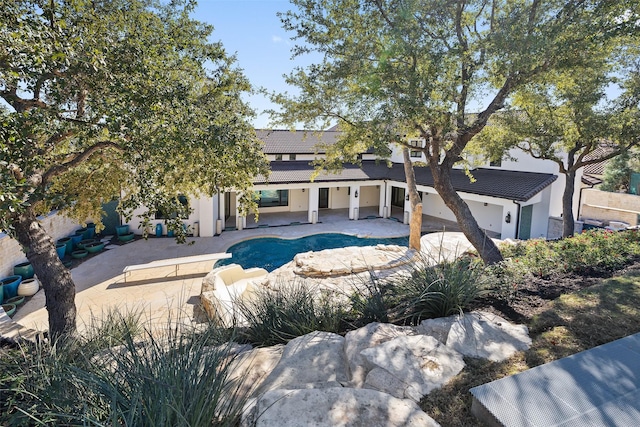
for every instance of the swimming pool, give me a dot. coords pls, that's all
(271, 252)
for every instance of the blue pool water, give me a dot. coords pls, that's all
(271, 252)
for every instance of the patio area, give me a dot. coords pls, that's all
(333, 216)
(100, 283)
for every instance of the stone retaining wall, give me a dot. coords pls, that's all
(607, 206)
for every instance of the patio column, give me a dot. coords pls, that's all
(312, 213)
(407, 207)
(220, 218)
(382, 204)
(241, 221)
(354, 202)
(207, 216)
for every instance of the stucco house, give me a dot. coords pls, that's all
(513, 198)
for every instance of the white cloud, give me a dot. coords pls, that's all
(276, 39)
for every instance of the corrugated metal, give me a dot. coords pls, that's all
(597, 387)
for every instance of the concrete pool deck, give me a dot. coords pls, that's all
(100, 282)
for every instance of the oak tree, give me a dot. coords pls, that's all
(112, 99)
(393, 70)
(572, 119)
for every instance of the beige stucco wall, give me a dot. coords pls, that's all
(607, 206)
(11, 253)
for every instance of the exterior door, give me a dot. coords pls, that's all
(526, 214)
(227, 205)
(111, 218)
(397, 197)
(323, 198)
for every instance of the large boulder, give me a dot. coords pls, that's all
(250, 368)
(315, 360)
(368, 336)
(488, 336)
(342, 407)
(411, 366)
(352, 260)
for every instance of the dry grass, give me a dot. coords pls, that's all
(572, 323)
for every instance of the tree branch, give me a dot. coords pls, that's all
(77, 159)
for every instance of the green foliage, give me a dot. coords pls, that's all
(617, 172)
(594, 252)
(150, 108)
(177, 377)
(104, 100)
(295, 309)
(438, 290)
(439, 71)
(369, 302)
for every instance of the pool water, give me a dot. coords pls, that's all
(271, 252)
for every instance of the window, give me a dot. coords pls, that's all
(292, 156)
(278, 156)
(271, 198)
(496, 163)
(161, 214)
(418, 144)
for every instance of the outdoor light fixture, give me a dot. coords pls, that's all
(407, 198)
(356, 194)
(303, 190)
(507, 218)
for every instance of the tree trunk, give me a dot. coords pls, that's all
(59, 289)
(415, 226)
(487, 249)
(568, 223)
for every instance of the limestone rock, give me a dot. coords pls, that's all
(352, 260)
(208, 282)
(368, 336)
(251, 368)
(438, 328)
(342, 407)
(485, 335)
(411, 366)
(437, 247)
(315, 360)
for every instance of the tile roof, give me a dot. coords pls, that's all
(597, 168)
(512, 185)
(280, 141)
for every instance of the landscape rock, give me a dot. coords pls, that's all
(488, 336)
(438, 328)
(335, 407)
(411, 366)
(315, 360)
(352, 260)
(251, 368)
(368, 336)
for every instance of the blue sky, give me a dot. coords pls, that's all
(251, 30)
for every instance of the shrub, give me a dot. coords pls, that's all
(504, 279)
(294, 309)
(439, 290)
(175, 377)
(369, 302)
(594, 252)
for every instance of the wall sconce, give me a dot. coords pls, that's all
(407, 198)
(303, 190)
(486, 204)
(507, 218)
(356, 194)
(337, 188)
